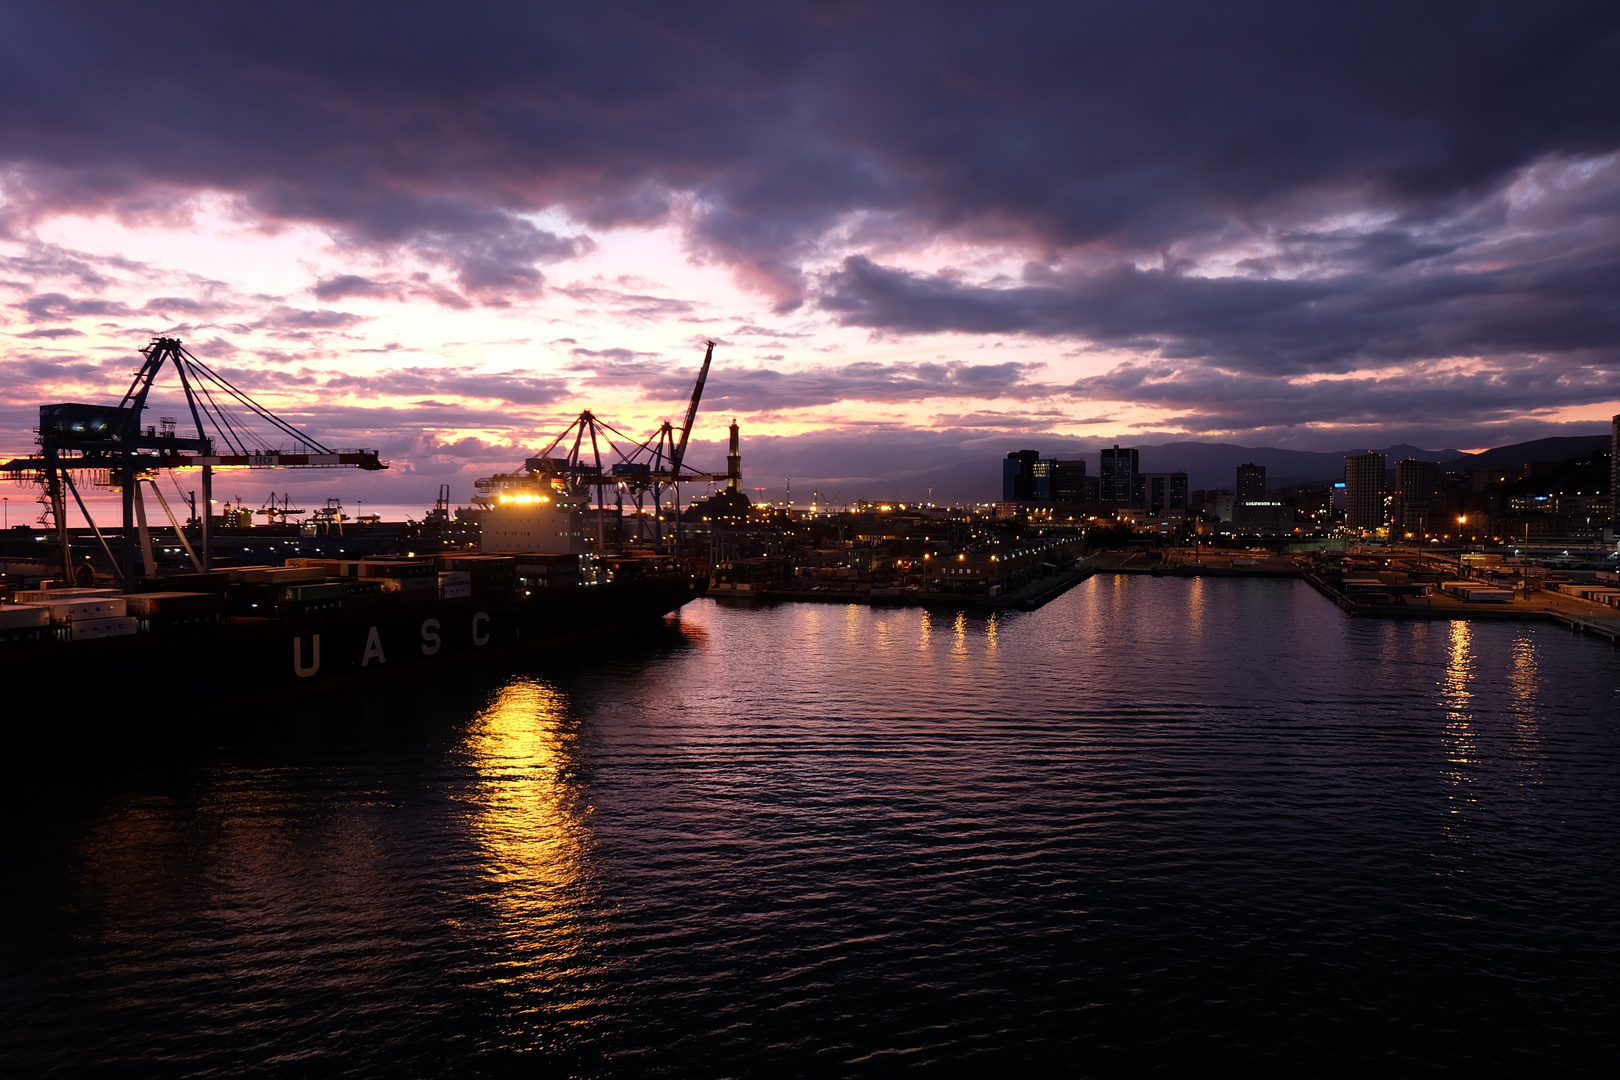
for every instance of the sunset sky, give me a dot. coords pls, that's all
(920, 233)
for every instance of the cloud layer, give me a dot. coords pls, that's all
(1251, 218)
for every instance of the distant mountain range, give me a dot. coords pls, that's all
(1517, 455)
(1211, 465)
(1214, 465)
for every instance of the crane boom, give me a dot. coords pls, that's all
(691, 412)
(135, 396)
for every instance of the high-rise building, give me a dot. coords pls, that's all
(1160, 491)
(1043, 471)
(1417, 490)
(1068, 480)
(1018, 476)
(1251, 483)
(1028, 477)
(1263, 517)
(1120, 467)
(1364, 491)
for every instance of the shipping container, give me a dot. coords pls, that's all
(400, 569)
(66, 611)
(146, 605)
(92, 629)
(52, 596)
(216, 581)
(414, 583)
(23, 618)
(326, 590)
(249, 573)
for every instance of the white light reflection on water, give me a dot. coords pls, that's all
(853, 625)
(1523, 679)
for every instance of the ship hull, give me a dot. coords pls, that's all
(242, 659)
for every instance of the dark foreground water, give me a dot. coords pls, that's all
(1175, 826)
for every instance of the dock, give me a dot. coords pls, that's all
(1026, 597)
(1581, 616)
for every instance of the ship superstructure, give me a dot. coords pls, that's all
(527, 511)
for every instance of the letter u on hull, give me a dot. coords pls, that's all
(314, 659)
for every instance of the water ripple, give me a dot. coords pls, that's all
(1158, 826)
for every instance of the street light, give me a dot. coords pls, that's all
(1462, 519)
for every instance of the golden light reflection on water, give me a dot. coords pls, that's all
(1454, 691)
(531, 829)
(1195, 607)
(991, 629)
(960, 627)
(1457, 697)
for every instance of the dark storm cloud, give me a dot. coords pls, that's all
(1062, 123)
(1212, 401)
(615, 356)
(1036, 419)
(56, 332)
(750, 330)
(1425, 309)
(48, 370)
(1112, 146)
(181, 303)
(343, 285)
(416, 287)
(634, 305)
(40, 260)
(288, 318)
(765, 389)
(429, 382)
(55, 307)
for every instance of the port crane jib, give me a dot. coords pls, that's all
(599, 457)
(232, 430)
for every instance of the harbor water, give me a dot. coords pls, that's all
(1157, 827)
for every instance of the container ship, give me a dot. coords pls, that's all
(316, 623)
(584, 539)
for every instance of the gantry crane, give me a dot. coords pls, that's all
(654, 466)
(105, 439)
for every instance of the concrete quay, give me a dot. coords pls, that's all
(1579, 615)
(1206, 564)
(1026, 597)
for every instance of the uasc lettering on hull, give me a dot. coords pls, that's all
(371, 646)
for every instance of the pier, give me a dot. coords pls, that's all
(1026, 597)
